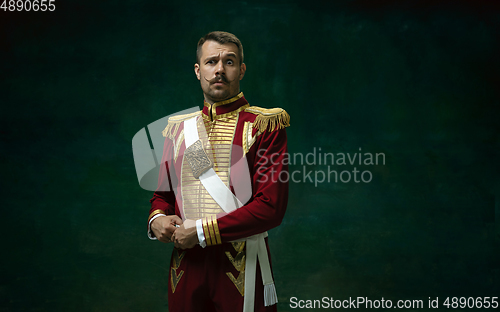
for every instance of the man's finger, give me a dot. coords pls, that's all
(176, 220)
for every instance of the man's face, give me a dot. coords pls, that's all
(219, 71)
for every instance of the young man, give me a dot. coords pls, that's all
(221, 257)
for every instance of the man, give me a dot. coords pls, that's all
(217, 214)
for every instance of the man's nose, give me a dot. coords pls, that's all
(219, 69)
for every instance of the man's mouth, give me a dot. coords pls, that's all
(219, 80)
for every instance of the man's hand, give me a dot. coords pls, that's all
(163, 227)
(186, 236)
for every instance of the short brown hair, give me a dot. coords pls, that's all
(220, 37)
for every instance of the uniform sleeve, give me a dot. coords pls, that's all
(267, 206)
(163, 201)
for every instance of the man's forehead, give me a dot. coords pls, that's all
(212, 48)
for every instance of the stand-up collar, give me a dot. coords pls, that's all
(221, 109)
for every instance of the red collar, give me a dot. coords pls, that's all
(223, 108)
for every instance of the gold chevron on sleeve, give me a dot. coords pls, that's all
(176, 262)
(174, 278)
(177, 258)
(238, 246)
(239, 264)
(238, 261)
(238, 282)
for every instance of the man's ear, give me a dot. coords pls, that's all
(243, 69)
(197, 71)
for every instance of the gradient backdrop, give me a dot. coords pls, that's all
(415, 80)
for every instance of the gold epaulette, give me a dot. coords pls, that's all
(174, 122)
(269, 118)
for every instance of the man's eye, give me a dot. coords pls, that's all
(211, 62)
(230, 62)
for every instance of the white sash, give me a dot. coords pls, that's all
(256, 246)
(210, 180)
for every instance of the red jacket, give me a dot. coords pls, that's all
(237, 129)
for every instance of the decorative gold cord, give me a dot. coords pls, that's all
(269, 119)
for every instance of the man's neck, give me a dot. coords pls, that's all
(211, 101)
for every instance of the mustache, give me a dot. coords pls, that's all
(219, 78)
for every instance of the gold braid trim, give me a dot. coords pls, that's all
(233, 99)
(154, 213)
(269, 119)
(211, 230)
(208, 240)
(174, 122)
(216, 230)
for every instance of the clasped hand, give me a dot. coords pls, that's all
(183, 237)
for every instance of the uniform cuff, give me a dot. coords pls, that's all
(211, 232)
(154, 213)
(150, 233)
(201, 236)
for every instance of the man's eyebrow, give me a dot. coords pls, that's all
(230, 54)
(213, 57)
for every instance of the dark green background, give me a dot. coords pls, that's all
(416, 80)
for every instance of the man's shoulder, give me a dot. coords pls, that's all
(183, 117)
(269, 119)
(174, 122)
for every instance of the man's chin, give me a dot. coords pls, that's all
(219, 95)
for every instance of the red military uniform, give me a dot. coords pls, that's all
(212, 278)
